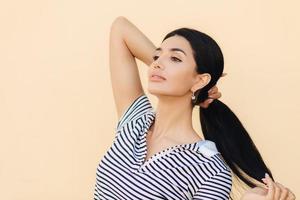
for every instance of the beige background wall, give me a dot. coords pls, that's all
(57, 114)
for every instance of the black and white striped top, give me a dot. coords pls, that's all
(186, 171)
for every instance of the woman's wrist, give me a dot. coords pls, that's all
(139, 45)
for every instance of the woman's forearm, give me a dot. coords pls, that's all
(139, 45)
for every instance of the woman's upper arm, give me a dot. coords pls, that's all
(124, 74)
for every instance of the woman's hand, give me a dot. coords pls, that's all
(213, 93)
(273, 191)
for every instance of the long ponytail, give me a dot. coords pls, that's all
(220, 125)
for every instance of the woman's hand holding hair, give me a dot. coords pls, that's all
(213, 93)
(272, 191)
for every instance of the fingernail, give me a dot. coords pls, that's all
(267, 175)
(265, 181)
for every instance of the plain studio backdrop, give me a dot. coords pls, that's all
(57, 113)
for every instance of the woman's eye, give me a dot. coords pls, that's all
(173, 58)
(177, 59)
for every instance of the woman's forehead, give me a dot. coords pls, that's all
(175, 43)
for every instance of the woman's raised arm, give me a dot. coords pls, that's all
(126, 43)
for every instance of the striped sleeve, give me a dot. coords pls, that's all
(136, 109)
(218, 187)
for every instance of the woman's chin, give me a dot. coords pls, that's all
(156, 91)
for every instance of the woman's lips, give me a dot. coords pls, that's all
(156, 78)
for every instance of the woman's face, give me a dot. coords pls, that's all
(177, 66)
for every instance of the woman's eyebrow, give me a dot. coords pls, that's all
(171, 49)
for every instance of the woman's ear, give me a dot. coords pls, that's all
(201, 81)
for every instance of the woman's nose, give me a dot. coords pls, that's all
(156, 66)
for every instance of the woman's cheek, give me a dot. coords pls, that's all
(179, 82)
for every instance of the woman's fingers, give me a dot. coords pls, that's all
(291, 195)
(284, 191)
(206, 103)
(277, 191)
(214, 93)
(212, 90)
(271, 187)
(286, 194)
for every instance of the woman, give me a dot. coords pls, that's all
(158, 154)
